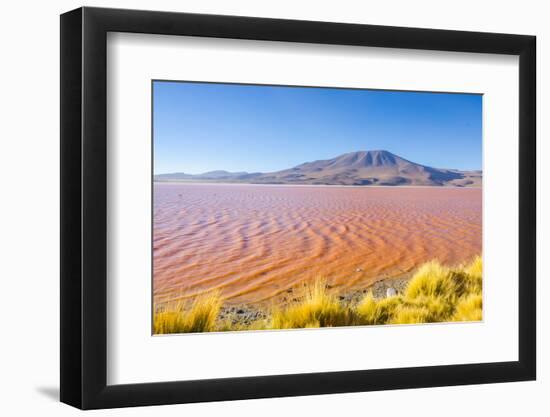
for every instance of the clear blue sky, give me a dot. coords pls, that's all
(203, 127)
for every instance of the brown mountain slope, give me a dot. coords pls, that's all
(370, 168)
(354, 168)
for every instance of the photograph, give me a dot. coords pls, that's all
(273, 205)
(291, 207)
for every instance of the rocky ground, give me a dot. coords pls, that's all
(246, 314)
(380, 289)
(241, 314)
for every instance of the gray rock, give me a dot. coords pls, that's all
(391, 292)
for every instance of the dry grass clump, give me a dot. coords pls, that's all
(474, 275)
(199, 316)
(435, 293)
(432, 280)
(406, 314)
(373, 311)
(317, 309)
(469, 309)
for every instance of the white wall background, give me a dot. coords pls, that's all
(29, 226)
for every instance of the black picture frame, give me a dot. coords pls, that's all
(84, 207)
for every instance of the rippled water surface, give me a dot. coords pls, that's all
(252, 242)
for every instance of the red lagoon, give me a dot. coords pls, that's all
(253, 242)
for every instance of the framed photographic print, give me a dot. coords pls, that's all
(257, 207)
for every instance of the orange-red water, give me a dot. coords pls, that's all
(252, 242)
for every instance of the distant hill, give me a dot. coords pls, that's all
(355, 168)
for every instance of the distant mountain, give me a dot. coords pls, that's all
(220, 175)
(211, 176)
(354, 168)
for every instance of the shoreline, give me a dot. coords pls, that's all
(312, 185)
(434, 293)
(245, 314)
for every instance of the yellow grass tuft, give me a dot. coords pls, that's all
(469, 309)
(475, 269)
(432, 309)
(200, 316)
(410, 314)
(372, 311)
(474, 275)
(437, 293)
(317, 309)
(431, 280)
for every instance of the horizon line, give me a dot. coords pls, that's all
(244, 171)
